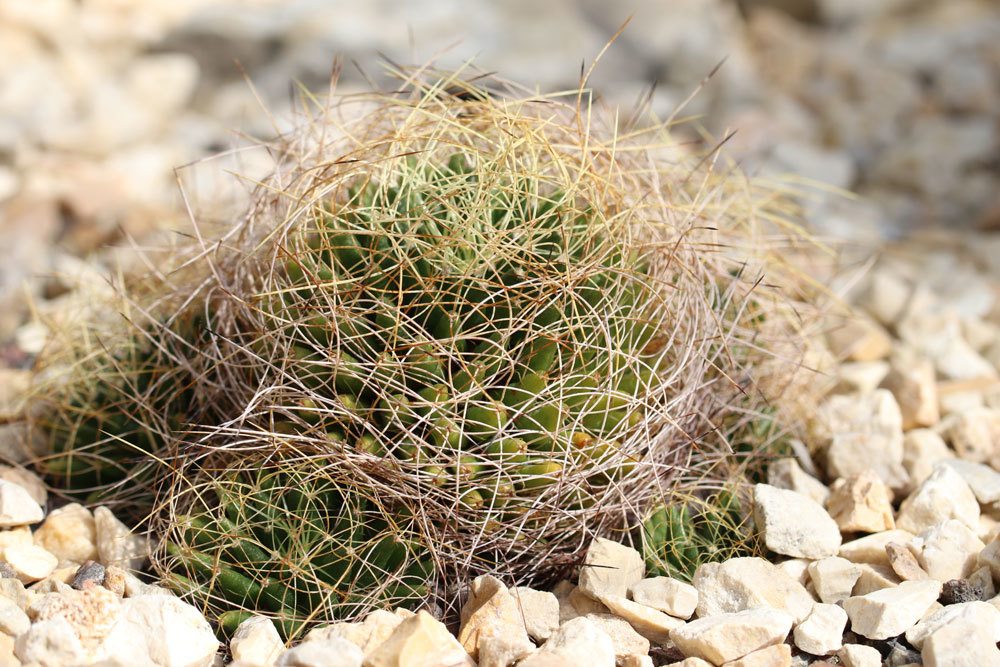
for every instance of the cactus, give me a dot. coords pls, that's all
(680, 536)
(280, 538)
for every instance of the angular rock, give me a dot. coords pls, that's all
(943, 495)
(745, 583)
(17, 507)
(50, 642)
(982, 579)
(978, 613)
(779, 655)
(922, 450)
(88, 575)
(29, 562)
(726, 637)
(911, 379)
(13, 590)
(859, 655)
(159, 630)
(652, 624)
(366, 635)
(982, 479)
(787, 474)
(256, 641)
(861, 431)
(19, 535)
(975, 435)
(990, 557)
(28, 481)
(491, 611)
(871, 548)
(583, 604)
(833, 578)
(947, 550)
(691, 662)
(891, 611)
(421, 639)
(797, 569)
(69, 534)
(793, 524)
(92, 613)
(860, 339)
(625, 639)
(329, 652)
(956, 591)
(861, 504)
(874, 578)
(860, 377)
(116, 545)
(904, 563)
(963, 642)
(667, 595)
(539, 610)
(577, 642)
(822, 633)
(610, 568)
(13, 620)
(502, 652)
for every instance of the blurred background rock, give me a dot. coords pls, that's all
(895, 100)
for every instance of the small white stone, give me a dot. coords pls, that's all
(422, 639)
(981, 613)
(29, 562)
(871, 548)
(13, 620)
(490, 611)
(502, 652)
(859, 655)
(860, 339)
(667, 595)
(990, 557)
(787, 474)
(966, 640)
(330, 652)
(725, 637)
(28, 481)
(861, 504)
(160, 628)
(982, 479)
(874, 578)
(626, 640)
(745, 583)
(911, 380)
(652, 624)
(17, 507)
(861, 377)
(943, 495)
(540, 611)
(778, 655)
(822, 633)
(975, 434)
(922, 450)
(797, 569)
(52, 642)
(851, 454)
(793, 524)
(19, 535)
(69, 534)
(116, 545)
(610, 568)
(948, 550)
(256, 641)
(891, 611)
(578, 641)
(833, 578)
